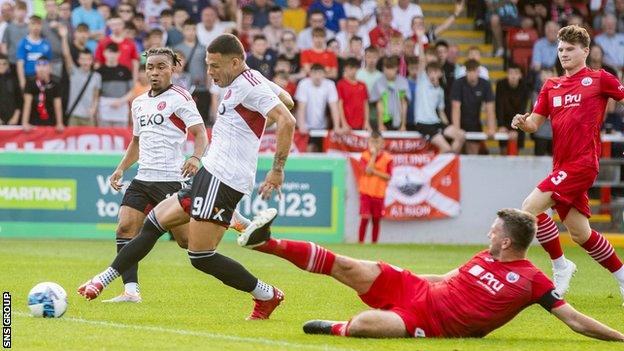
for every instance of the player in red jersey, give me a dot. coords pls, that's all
(575, 104)
(470, 301)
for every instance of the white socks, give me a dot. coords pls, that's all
(560, 263)
(263, 291)
(131, 288)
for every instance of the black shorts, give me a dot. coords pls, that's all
(143, 196)
(209, 200)
(317, 142)
(429, 130)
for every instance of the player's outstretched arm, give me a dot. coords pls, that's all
(130, 157)
(528, 122)
(585, 325)
(285, 130)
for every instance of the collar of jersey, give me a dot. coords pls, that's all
(149, 93)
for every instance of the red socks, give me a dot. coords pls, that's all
(375, 230)
(340, 328)
(548, 236)
(602, 251)
(303, 254)
(362, 232)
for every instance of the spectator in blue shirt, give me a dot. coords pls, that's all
(87, 14)
(545, 49)
(30, 49)
(260, 10)
(334, 13)
(612, 43)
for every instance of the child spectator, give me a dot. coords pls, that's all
(261, 57)
(11, 94)
(391, 93)
(468, 95)
(319, 54)
(314, 95)
(128, 54)
(84, 86)
(353, 98)
(512, 97)
(116, 90)
(369, 74)
(431, 120)
(30, 49)
(42, 100)
(377, 166)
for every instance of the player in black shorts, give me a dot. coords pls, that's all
(161, 119)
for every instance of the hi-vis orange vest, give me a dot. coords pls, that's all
(371, 184)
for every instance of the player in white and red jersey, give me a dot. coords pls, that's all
(161, 118)
(575, 104)
(228, 173)
(471, 301)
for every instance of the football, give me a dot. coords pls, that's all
(47, 300)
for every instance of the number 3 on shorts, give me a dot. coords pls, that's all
(559, 178)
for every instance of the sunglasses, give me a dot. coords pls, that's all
(42, 62)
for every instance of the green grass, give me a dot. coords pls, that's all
(186, 310)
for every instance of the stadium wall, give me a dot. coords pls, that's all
(488, 183)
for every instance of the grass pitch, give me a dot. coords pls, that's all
(184, 309)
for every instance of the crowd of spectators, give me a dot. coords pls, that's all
(359, 64)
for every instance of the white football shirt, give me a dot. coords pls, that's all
(241, 118)
(161, 122)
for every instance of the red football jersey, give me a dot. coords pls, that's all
(576, 107)
(353, 97)
(487, 294)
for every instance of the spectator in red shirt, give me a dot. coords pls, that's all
(353, 98)
(319, 54)
(128, 54)
(380, 35)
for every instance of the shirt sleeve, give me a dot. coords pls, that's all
(31, 87)
(376, 91)
(332, 95)
(21, 50)
(274, 87)
(300, 95)
(261, 99)
(188, 113)
(456, 92)
(610, 86)
(135, 122)
(544, 293)
(542, 105)
(441, 105)
(489, 95)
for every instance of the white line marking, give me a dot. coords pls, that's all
(238, 339)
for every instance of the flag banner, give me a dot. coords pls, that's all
(97, 139)
(352, 142)
(423, 186)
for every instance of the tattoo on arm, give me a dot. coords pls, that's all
(279, 161)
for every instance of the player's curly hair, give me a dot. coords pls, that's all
(574, 34)
(163, 51)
